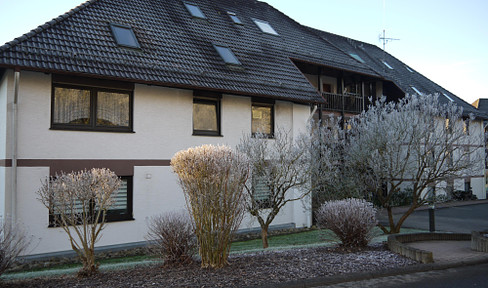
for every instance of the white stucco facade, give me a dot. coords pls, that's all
(162, 125)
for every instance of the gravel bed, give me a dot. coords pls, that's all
(249, 269)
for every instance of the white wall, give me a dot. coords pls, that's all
(4, 121)
(162, 125)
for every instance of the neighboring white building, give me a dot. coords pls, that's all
(126, 84)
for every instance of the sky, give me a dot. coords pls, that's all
(445, 40)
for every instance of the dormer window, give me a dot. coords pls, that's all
(124, 36)
(234, 18)
(448, 98)
(356, 56)
(387, 65)
(195, 11)
(416, 90)
(265, 27)
(227, 55)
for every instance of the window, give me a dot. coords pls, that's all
(227, 55)
(124, 36)
(206, 116)
(121, 210)
(195, 11)
(448, 98)
(356, 56)
(262, 119)
(409, 70)
(387, 65)
(416, 90)
(80, 107)
(234, 18)
(265, 27)
(261, 192)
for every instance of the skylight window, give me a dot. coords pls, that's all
(234, 18)
(265, 27)
(195, 11)
(409, 70)
(387, 65)
(416, 90)
(448, 98)
(124, 36)
(227, 55)
(356, 56)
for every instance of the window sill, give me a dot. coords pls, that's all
(106, 222)
(89, 129)
(206, 134)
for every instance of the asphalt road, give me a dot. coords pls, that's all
(461, 219)
(465, 276)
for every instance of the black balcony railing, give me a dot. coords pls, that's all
(347, 102)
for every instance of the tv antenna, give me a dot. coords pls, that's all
(385, 39)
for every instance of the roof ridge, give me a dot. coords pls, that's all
(315, 30)
(45, 26)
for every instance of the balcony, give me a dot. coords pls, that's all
(347, 102)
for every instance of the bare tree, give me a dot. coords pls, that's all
(416, 143)
(279, 174)
(78, 203)
(13, 242)
(331, 179)
(212, 179)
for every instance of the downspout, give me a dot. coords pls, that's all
(13, 195)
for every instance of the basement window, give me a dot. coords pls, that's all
(195, 11)
(124, 36)
(265, 27)
(227, 55)
(234, 18)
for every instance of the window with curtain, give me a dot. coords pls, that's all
(91, 108)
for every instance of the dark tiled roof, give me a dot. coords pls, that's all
(176, 49)
(403, 76)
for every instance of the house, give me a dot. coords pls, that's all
(126, 84)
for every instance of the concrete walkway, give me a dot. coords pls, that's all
(450, 251)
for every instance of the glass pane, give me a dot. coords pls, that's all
(262, 120)
(227, 55)
(113, 109)
(125, 36)
(234, 18)
(195, 11)
(265, 27)
(71, 106)
(205, 116)
(121, 198)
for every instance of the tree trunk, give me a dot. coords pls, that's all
(264, 236)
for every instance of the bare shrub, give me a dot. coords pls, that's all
(212, 179)
(13, 241)
(172, 238)
(78, 203)
(352, 220)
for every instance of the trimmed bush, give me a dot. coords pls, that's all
(350, 219)
(172, 238)
(212, 179)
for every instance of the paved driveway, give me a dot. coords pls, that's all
(462, 219)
